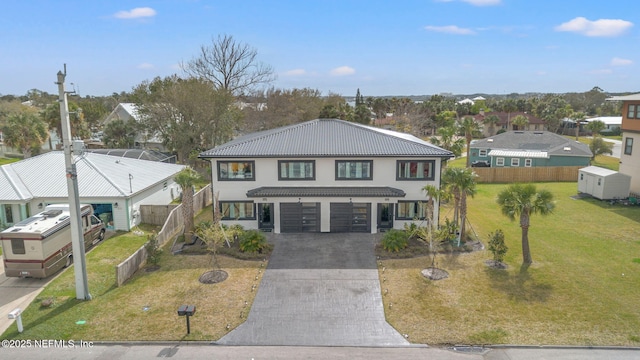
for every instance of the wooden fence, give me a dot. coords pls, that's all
(171, 228)
(526, 174)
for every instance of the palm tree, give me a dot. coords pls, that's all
(520, 122)
(492, 121)
(595, 127)
(470, 128)
(524, 200)
(187, 178)
(578, 117)
(509, 106)
(448, 140)
(435, 194)
(460, 183)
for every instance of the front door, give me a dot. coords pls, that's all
(265, 216)
(385, 216)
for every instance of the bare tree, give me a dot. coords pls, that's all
(229, 65)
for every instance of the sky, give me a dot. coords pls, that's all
(383, 48)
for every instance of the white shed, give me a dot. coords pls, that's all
(603, 184)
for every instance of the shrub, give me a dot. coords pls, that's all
(497, 246)
(153, 249)
(395, 240)
(252, 241)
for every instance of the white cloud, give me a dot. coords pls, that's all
(342, 71)
(602, 27)
(450, 29)
(616, 61)
(145, 66)
(295, 72)
(483, 2)
(141, 12)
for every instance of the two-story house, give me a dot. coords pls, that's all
(325, 175)
(630, 161)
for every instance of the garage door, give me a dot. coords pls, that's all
(299, 217)
(350, 217)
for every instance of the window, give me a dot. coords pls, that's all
(241, 210)
(411, 210)
(631, 111)
(527, 162)
(17, 246)
(515, 162)
(354, 170)
(599, 181)
(415, 170)
(499, 161)
(628, 145)
(236, 171)
(8, 214)
(297, 170)
(483, 153)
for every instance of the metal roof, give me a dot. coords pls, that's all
(98, 176)
(326, 137)
(632, 97)
(553, 144)
(322, 191)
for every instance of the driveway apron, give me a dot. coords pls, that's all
(318, 290)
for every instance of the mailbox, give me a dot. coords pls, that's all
(186, 310)
(14, 314)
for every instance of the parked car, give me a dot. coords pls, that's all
(480, 163)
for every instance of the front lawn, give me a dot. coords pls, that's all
(145, 307)
(582, 288)
(4, 160)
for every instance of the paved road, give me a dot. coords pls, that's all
(318, 290)
(200, 351)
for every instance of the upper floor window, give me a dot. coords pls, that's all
(631, 111)
(236, 171)
(354, 170)
(415, 170)
(483, 153)
(297, 170)
(628, 146)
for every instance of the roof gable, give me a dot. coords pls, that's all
(326, 137)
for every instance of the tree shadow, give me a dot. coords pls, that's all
(521, 286)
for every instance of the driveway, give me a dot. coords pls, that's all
(318, 290)
(14, 293)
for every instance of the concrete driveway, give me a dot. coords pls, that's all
(16, 292)
(318, 290)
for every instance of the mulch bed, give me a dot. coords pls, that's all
(213, 277)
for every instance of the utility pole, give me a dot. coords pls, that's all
(77, 237)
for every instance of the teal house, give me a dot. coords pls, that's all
(529, 149)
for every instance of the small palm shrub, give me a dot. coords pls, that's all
(252, 241)
(395, 240)
(497, 246)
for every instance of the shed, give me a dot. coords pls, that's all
(603, 184)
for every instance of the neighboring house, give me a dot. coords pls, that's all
(610, 122)
(603, 184)
(129, 112)
(115, 186)
(325, 175)
(528, 149)
(630, 159)
(506, 122)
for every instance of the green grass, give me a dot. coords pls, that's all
(608, 162)
(582, 288)
(144, 308)
(4, 161)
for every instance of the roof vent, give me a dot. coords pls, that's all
(489, 140)
(567, 148)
